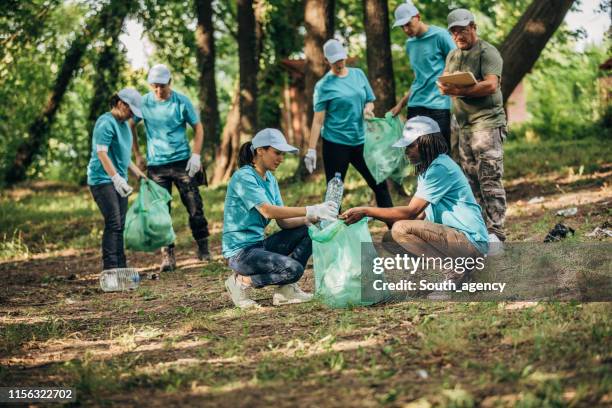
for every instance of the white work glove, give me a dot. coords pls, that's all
(324, 211)
(122, 187)
(193, 165)
(310, 160)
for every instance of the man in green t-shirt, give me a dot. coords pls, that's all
(480, 114)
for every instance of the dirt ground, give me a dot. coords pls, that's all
(178, 340)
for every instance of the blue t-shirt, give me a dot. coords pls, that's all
(243, 225)
(451, 201)
(343, 100)
(117, 136)
(427, 55)
(165, 123)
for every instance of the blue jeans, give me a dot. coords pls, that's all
(113, 208)
(279, 259)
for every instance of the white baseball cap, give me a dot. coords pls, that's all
(459, 17)
(404, 13)
(272, 137)
(334, 51)
(132, 98)
(415, 128)
(159, 74)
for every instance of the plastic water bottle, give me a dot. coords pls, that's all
(119, 279)
(335, 189)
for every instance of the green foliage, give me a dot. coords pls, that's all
(36, 35)
(563, 94)
(29, 61)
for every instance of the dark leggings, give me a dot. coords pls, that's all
(279, 259)
(336, 159)
(113, 208)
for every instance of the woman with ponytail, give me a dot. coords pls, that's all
(253, 198)
(108, 170)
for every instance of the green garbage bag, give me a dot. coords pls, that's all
(338, 253)
(148, 225)
(383, 160)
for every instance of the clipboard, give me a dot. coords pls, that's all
(458, 78)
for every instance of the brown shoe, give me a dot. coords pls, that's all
(168, 263)
(203, 252)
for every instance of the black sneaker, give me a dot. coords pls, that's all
(168, 263)
(203, 252)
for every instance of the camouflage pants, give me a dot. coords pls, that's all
(481, 156)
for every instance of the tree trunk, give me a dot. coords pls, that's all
(107, 71)
(241, 121)
(39, 128)
(226, 155)
(522, 47)
(205, 43)
(247, 53)
(319, 23)
(380, 65)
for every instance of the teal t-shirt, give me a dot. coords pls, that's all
(427, 55)
(343, 100)
(108, 131)
(165, 123)
(243, 225)
(451, 201)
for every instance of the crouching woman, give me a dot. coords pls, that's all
(253, 199)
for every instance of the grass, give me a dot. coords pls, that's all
(177, 341)
(35, 219)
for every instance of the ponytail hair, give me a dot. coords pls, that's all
(245, 155)
(114, 100)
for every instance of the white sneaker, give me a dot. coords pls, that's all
(288, 294)
(237, 292)
(496, 247)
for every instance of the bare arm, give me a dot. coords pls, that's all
(280, 213)
(315, 130)
(289, 223)
(412, 211)
(486, 87)
(135, 150)
(198, 138)
(137, 172)
(400, 105)
(107, 164)
(368, 110)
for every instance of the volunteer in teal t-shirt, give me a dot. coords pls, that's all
(341, 100)
(170, 160)
(107, 172)
(427, 47)
(443, 218)
(253, 198)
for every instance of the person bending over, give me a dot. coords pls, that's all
(253, 198)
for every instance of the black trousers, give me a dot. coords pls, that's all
(336, 159)
(113, 208)
(174, 173)
(441, 116)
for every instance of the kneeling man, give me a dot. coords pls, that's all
(443, 218)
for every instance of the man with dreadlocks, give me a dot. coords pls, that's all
(443, 217)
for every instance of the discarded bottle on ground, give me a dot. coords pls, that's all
(335, 189)
(119, 279)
